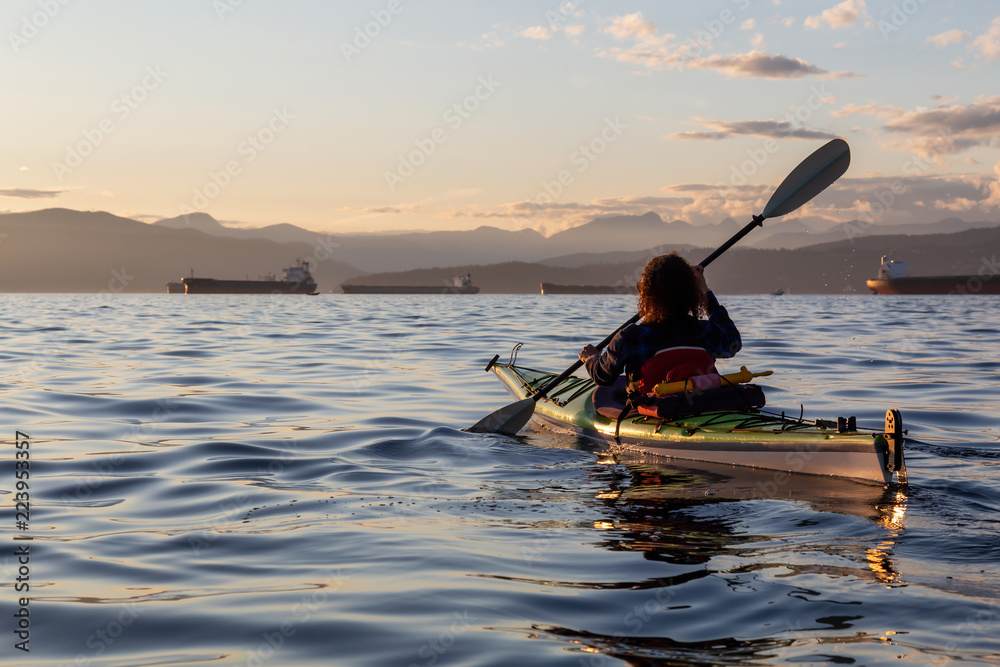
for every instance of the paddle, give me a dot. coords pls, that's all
(812, 176)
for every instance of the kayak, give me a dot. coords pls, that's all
(743, 437)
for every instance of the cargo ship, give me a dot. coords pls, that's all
(555, 288)
(297, 280)
(893, 279)
(458, 285)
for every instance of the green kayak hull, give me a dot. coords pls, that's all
(745, 437)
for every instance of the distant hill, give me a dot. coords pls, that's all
(59, 250)
(375, 253)
(203, 222)
(63, 250)
(839, 267)
(796, 234)
(581, 259)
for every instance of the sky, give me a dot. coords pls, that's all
(391, 115)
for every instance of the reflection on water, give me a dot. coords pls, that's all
(285, 482)
(682, 515)
(641, 651)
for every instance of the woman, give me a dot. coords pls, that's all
(671, 342)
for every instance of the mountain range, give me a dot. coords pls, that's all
(75, 251)
(59, 250)
(372, 253)
(826, 268)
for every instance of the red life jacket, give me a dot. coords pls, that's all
(674, 363)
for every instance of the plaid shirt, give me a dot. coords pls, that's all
(637, 343)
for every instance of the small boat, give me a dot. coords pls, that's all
(745, 437)
(297, 280)
(893, 279)
(555, 288)
(458, 285)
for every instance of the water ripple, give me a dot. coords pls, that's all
(285, 481)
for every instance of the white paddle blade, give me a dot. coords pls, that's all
(813, 175)
(507, 420)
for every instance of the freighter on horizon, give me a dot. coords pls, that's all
(297, 280)
(458, 285)
(892, 279)
(555, 288)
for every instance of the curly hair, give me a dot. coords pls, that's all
(669, 291)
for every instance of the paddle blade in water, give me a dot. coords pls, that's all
(811, 177)
(507, 420)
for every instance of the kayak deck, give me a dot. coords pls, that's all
(739, 437)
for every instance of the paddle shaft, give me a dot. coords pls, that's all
(813, 175)
(758, 221)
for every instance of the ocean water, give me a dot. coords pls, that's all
(241, 480)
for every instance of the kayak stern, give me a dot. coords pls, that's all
(746, 438)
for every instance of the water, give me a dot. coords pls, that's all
(234, 480)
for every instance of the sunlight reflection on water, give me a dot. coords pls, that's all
(284, 481)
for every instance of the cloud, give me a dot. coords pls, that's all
(543, 34)
(764, 65)
(28, 193)
(549, 217)
(655, 51)
(631, 26)
(536, 32)
(987, 46)
(721, 129)
(917, 197)
(749, 24)
(384, 210)
(953, 36)
(146, 217)
(993, 200)
(843, 15)
(488, 40)
(944, 130)
(949, 128)
(877, 110)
